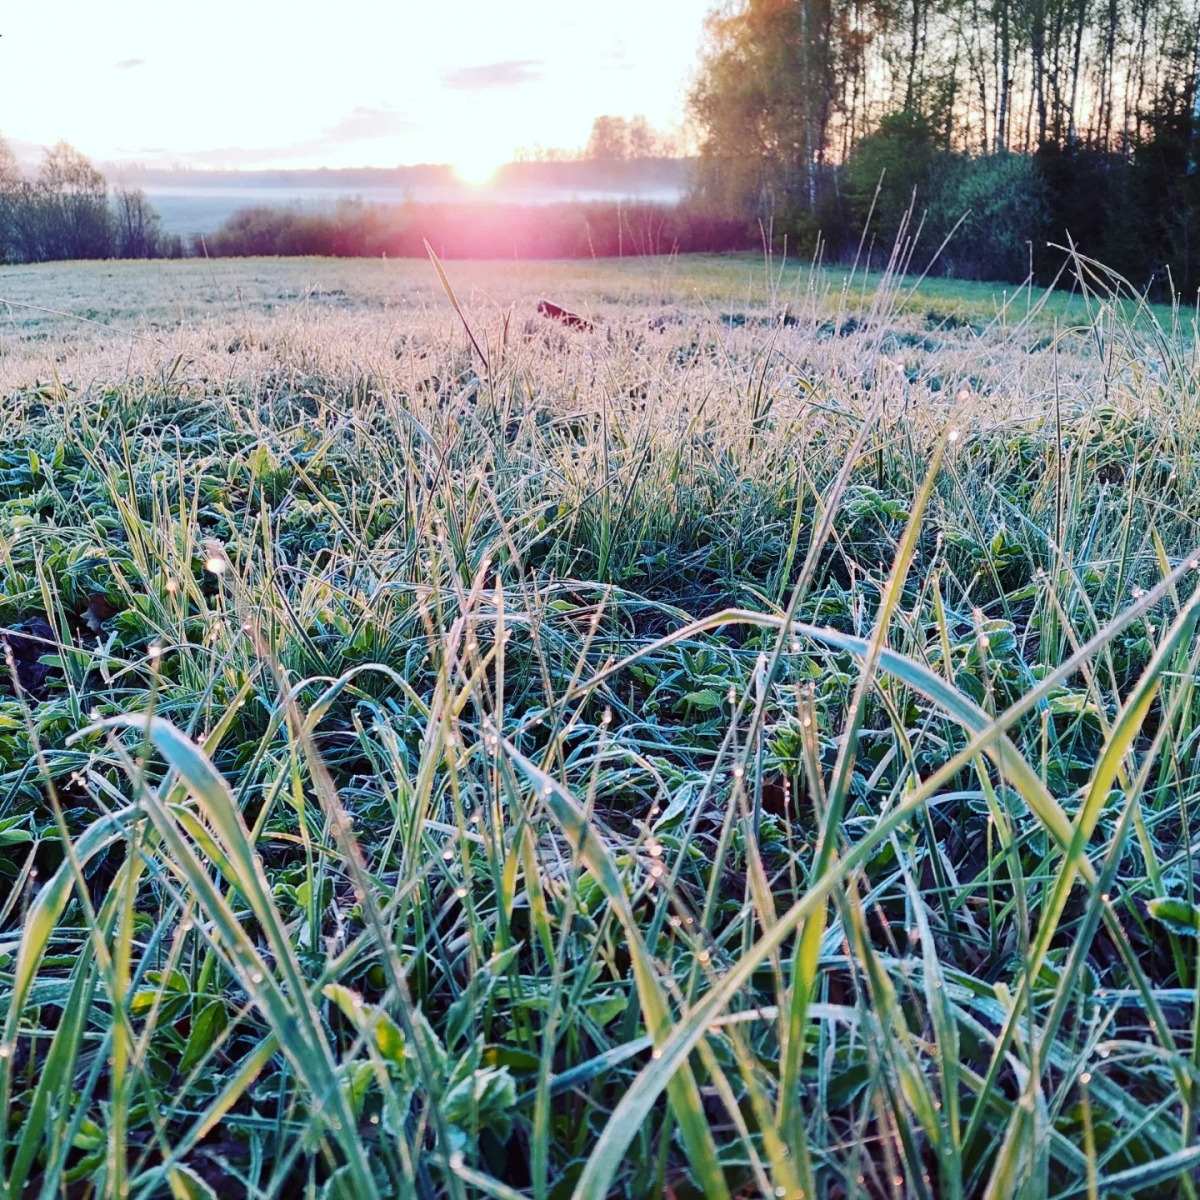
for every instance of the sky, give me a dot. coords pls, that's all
(260, 84)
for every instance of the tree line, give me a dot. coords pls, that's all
(67, 210)
(613, 138)
(352, 229)
(1044, 118)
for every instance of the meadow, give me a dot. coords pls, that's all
(745, 748)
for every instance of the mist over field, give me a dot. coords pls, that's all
(188, 210)
(192, 202)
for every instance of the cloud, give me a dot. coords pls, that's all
(494, 75)
(127, 64)
(365, 123)
(617, 58)
(359, 125)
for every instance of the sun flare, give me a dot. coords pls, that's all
(476, 170)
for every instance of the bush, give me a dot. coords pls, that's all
(1002, 200)
(898, 160)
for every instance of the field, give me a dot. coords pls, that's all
(745, 748)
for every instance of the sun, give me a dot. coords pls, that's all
(476, 170)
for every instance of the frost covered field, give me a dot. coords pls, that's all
(746, 748)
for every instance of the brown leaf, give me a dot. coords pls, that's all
(97, 611)
(572, 320)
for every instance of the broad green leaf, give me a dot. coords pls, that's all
(1177, 915)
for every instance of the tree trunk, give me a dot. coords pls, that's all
(1055, 73)
(806, 93)
(1106, 78)
(1004, 83)
(1038, 53)
(910, 95)
(1072, 127)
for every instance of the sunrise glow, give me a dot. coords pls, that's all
(477, 170)
(401, 83)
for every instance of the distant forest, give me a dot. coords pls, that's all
(1041, 119)
(994, 128)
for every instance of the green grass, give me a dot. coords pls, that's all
(166, 295)
(704, 756)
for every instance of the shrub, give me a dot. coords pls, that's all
(1002, 200)
(897, 159)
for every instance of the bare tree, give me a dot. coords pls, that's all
(138, 229)
(67, 203)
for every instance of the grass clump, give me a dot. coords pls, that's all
(680, 759)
